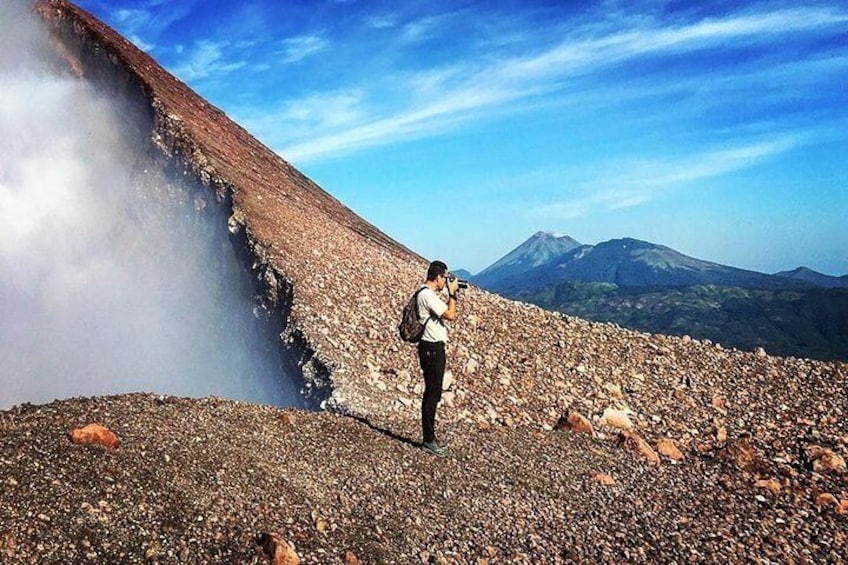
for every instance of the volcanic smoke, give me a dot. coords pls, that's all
(107, 285)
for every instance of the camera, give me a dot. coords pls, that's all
(461, 282)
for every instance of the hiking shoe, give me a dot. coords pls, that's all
(434, 448)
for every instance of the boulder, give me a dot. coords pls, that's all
(826, 499)
(632, 442)
(616, 419)
(278, 550)
(603, 479)
(575, 422)
(743, 455)
(770, 485)
(448, 380)
(825, 460)
(668, 448)
(95, 434)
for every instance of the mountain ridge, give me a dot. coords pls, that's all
(538, 250)
(814, 277)
(630, 262)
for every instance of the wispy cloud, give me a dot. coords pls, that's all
(131, 19)
(385, 21)
(471, 88)
(140, 43)
(149, 20)
(422, 29)
(207, 59)
(641, 181)
(298, 48)
(315, 113)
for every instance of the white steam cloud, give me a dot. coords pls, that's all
(105, 288)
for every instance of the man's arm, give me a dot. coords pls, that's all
(450, 314)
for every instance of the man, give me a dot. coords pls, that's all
(433, 312)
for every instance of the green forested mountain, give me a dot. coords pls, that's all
(803, 323)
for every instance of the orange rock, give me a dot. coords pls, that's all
(633, 442)
(668, 448)
(603, 479)
(350, 558)
(617, 419)
(575, 422)
(827, 460)
(843, 507)
(95, 433)
(743, 455)
(770, 485)
(826, 499)
(278, 550)
(286, 419)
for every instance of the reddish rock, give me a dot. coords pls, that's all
(742, 455)
(575, 422)
(827, 460)
(770, 485)
(287, 419)
(826, 499)
(278, 550)
(668, 448)
(95, 434)
(632, 442)
(603, 479)
(843, 507)
(350, 558)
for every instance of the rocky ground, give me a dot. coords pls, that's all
(763, 438)
(197, 481)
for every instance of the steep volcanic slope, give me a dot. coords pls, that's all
(515, 370)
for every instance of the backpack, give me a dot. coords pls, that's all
(410, 328)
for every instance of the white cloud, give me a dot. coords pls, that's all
(641, 181)
(298, 48)
(421, 30)
(140, 43)
(131, 19)
(152, 18)
(453, 95)
(382, 22)
(207, 59)
(306, 116)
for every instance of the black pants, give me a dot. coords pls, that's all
(431, 355)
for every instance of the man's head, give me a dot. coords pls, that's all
(437, 272)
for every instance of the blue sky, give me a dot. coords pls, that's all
(461, 128)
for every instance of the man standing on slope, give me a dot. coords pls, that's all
(432, 312)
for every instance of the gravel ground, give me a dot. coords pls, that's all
(196, 481)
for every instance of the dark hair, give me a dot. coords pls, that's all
(435, 269)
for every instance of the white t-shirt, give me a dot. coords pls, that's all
(431, 308)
